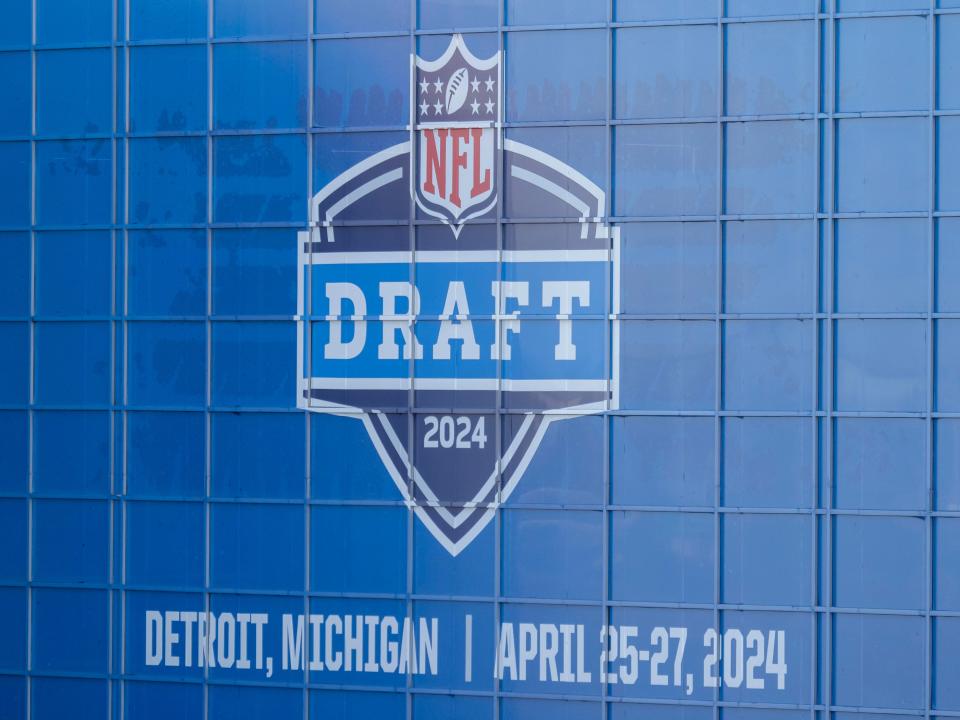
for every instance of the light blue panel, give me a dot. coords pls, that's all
(882, 265)
(771, 167)
(534, 12)
(870, 353)
(783, 82)
(329, 704)
(782, 379)
(66, 22)
(372, 87)
(434, 14)
(258, 455)
(946, 551)
(441, 707)
(260, 85)
(15, 23)
(165, 454)
(665, 170)
(166, 272)
(260, 178)
(86, 557)
(879, 661)
(337, 16)
(555, 75)
(73, 273)
(14, 534)
(168, 88)
(671, 364)
(242, 703)
(662, 461)
(879, 562)
(755, 549)
(552, 554)
(166, 364)
(168, 181)
(799, 651)
(364, 478)
(769, 266)
(437, 572)
(162, 700)
(70, 630)
(14, 365)
(16, 86)
(254, 272)
(449, 677)
(948, 171)
(165, 544)
(86, 380)
(880, 464)
(335, 153)
(664, 9)
(84, 699)
(74, 93)
(582, 147)
(257, 547)
(948, 65)
(947, 464)
(640, 711)
(255, 18)
(666, 72)
(668, 268)
(767, 462)
(882, 64)
(15, 280)
(946, 640)
(532, 709)
(564, 469)
(13, 624)
(750, 8)
(16, 178)
(74, 182)
(254, 364)
(947, 264)
(676, 563)
(15, 431)
(71, 453)
(947, 333)
(868, 5)
(174, 19)
(893, 180)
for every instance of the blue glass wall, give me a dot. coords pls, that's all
(786, 178)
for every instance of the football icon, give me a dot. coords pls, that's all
(457, 90)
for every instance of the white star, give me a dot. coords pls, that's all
(489, 106)
(423, 107)
(438, 107)
(424, 86)
(489, 83)
(475, 106)
(438, 86)
(475, 84)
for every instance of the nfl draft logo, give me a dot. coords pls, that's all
(456, 339)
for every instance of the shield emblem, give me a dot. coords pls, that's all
(458, 352)
(458, 120)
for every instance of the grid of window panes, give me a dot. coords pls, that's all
(787, 452)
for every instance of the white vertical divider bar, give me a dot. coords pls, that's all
(932, 28)
(606, 417)
(829, 364)
(500, 417)
(208, 382)
(411, 392)
(817, 376)
(308, 467)
(718, 341)
(32, 335)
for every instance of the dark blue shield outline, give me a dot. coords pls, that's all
(455, 501)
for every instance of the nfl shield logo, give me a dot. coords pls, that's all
(458, 118)
(458, 344)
